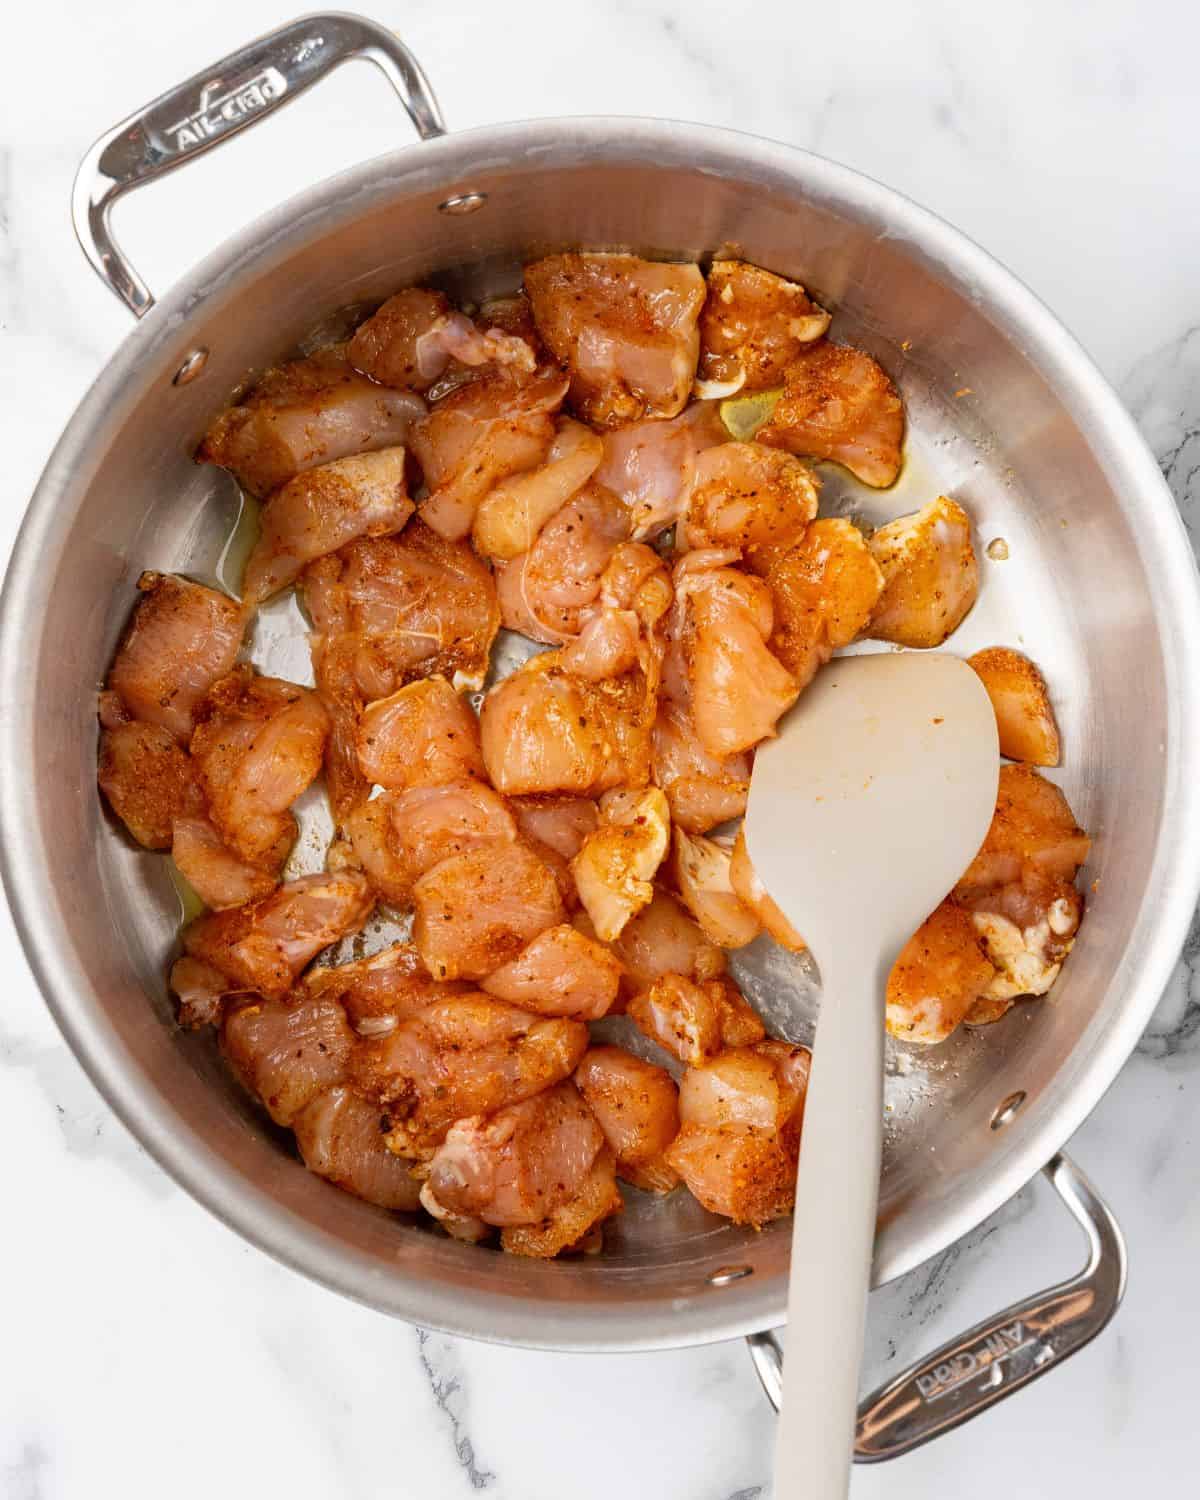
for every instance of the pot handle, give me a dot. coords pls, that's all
(996, 1357)
(233, 94)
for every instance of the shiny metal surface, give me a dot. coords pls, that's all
(1100, 587)
(996, 1357)
(238, 91)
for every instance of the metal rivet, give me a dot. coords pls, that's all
(723, 1275)
(1006, 1110)
(191, 367)
(463, 203)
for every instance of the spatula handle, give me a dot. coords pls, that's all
(833, 1233)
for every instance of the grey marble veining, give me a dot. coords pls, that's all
(146, 1349)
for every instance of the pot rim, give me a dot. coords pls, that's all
(445, 163)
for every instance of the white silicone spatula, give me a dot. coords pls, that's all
(862, 816)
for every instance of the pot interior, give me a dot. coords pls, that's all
(991, 422)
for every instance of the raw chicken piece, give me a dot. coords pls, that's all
(701, 869)
(941, 972)
(287, 1051)
(1021, 700)
(637, 1108)
(838, 403)
(516, 1166)
(703, 790)
(694, 1022)
(182, 638)
(557, 823)
(262, 947)
(651, 465)
(379, 992)
(574, 1224)
(305, 413)
(424, 735)
(930, 575)
(636, 579)
(147, 779)
(616, 864)
(321, 510)
(742, 1113)
(200, 988)
(396, 838)
(477, 910)
(1019, 887)
(753, 326)
(479, 435)
(464, 1055)
(510, 517)
(824, 590)
(543, 592)
(339, 1138)
(213, 870)
(416, 338)
(738, 689)
(626, 329)
(470, 1231)
(391, 610)
(258, 743)
(749, 889)
(561, 973)
(663, 939)
(748, 496)
(545, 730)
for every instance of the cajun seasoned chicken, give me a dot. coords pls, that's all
(614, 465)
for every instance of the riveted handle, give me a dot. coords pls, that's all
(999, 1355)
(232, 95)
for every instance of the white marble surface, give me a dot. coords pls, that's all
(145, 1350)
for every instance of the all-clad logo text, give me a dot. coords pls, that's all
(221, 106)
(998, 1346)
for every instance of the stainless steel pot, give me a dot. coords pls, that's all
(1007, 412)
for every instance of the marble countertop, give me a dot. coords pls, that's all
(146, 1349)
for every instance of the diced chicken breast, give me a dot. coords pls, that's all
(575, 1223)
(750, 890)
(839, 404)
(740, 1142)
(287, 1051)
(262, 947)
(415, 339)
(560, 973)
(754, 325)
(306, 413)
(664, 939)
(258, 744)
(339, 1138)
(637, 1108)
(626, 330)
(942, 970)
(476, 910)
(701, 869)
(424, 735)
(739, 689)
(218, 876)
(930, 575)
(464, 1055)
(512, 514)
(702, 789)
(379, 992)
(557, 823)
(1033, 835)
(183, 637)
(745, 495)
(824, 589)
(148, 780)
(693, 1022)
(1024, 717)
(321, 510)
(516, 1166)
(479, 435)
(651, 466)
(616, 864)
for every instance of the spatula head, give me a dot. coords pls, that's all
(876, 796)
